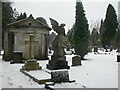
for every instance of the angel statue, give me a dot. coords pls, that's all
(58, 59)
(60, 41)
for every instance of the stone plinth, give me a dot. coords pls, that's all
(31, 65)
(76, 60)
(60, 76)
(58, 63)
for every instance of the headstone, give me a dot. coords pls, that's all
(60, 76)
(76, 60)
(58, 59)
(31, 64)
(17, 57)
(95, 49)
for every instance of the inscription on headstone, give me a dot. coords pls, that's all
(60, 76)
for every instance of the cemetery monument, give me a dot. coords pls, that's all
(58, 59)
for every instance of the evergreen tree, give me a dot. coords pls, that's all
(24, 15)
(110, 26)
(41, 19)
(70, 35)
(7, 17)
(101, 27)
(94, 37)
(7, 14)
(81, 33)
(118, 38)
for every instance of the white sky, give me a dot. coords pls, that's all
(64, 10)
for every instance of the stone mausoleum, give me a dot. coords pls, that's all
(17, 38)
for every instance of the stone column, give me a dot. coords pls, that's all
(46, 46)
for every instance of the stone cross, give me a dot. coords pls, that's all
(31, 46)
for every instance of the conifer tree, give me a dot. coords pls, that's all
(110, 26)
(81, 32)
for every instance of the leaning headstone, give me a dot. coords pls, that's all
(17, 57)
(76, 60)
(60, 76)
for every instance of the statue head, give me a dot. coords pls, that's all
(62, 24)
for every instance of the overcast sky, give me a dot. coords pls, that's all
(64, 10)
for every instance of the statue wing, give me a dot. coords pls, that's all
(53, 22)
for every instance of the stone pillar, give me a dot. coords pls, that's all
(10, 44)
(46, 46)
(6, 54)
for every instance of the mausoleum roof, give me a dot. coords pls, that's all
(29, 22)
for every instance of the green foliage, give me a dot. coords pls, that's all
(41, 19)
(95, 37)
(118, 38)
(81, 32)
(70, 36)
(7, 17)
(7, 14)
(110, 26)
(22, 16)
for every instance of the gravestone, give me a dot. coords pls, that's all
(31, 64)
(58, 59)
(60, 76)
(76, 60)
(95, 49)
(17, 57)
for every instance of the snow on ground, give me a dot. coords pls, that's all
(98, 71)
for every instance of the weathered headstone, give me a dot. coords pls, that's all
(58, 59)
(31, 64)
(95, 49)
(60, 76)
(17, 57)
(76, 60)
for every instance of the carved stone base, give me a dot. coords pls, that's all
(60, 76)
(58, 64)
(31, 65)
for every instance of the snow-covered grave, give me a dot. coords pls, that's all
(98, 71)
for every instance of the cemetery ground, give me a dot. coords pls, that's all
(98, 71)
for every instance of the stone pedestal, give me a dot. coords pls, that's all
(31, 65)
(118, 58)
(76, 60)
(58, 63)
(60, 76)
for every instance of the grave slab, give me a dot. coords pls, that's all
(38, 76)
